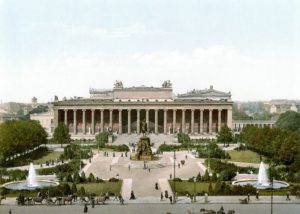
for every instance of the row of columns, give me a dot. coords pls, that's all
(229, 120)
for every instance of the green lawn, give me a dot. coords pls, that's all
(102, 188)
(184, 187)
(244, 156)
(50, 155)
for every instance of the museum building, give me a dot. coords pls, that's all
(121, 110)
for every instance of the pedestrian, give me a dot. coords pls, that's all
(206, 198)
(85, 209)
(156, 186)
(149, 169)
(9, 212)
(257, 195)
(248, 196)
(186, 157)
(170, 198)
(178, 165)
(161, 196)
(166, 194)
(129, 167)
(93, 202)
(288, 196)
(170, 175)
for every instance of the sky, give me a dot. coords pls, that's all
(65, 47)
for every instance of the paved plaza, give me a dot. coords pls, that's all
(141, 176)
(261, 208)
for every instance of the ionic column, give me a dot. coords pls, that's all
(156, 121)
(111, 119)
(55, 118)
(201, 121)
(165, 121)
(210, 121)
(93, 121)
(129, 121)
(183, 121)
(147, 120)
(192, 121)
(74, 121)
(120, 121)
(219, 119)
(229, 118)
(174, 120)
(66, 117)
(102, 120)
(138, 121)
(83, 121)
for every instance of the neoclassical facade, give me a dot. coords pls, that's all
(122, 109)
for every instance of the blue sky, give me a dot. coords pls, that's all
(57, 47)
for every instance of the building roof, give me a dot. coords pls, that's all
(210, 93)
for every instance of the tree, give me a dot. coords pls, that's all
(61, 134)
(289, 120)
(102, 139)
(17, 137)
(74, 188)
(225, 135)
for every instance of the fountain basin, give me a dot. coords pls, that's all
(23, 185)
(257, 185)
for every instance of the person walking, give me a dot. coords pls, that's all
(257, 195)
(161, 196)
(85, 209)
(288, 196)
(9, 212)
(248, 196)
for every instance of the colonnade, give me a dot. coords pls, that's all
(208, 120)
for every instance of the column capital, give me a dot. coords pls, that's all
(66, 109)
(192, 110)
(138, 110)
(83, 110)
(183, 110)
(129, 110)
(201, 110)
(110, 110)
(120, 110)
(210, 110)
(92, 110)
(102, 110)
(74, 110)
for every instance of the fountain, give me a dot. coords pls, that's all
(31, 179)
(31, 183)
(262, 175)
(262, 181)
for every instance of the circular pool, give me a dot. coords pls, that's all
(23, 185)
(254, 183)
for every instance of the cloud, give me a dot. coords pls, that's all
(226, 68)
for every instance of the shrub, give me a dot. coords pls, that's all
(113, 180)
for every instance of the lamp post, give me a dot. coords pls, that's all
(194, 189)
(271, 176)
(174, 186)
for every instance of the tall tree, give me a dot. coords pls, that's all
(61, 134)
(289, 120)
(225, 135)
